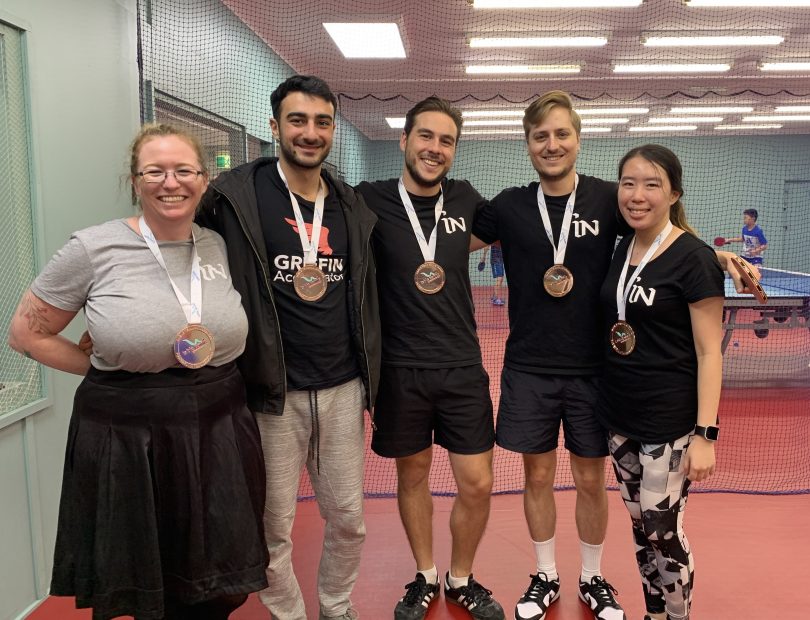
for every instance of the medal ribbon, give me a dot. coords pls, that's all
(308, 244)
(623, 293)
(428, 247)
(192, 310)
(559, 248)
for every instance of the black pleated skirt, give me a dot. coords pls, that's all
(163, 493)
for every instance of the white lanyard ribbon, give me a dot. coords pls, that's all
(622, 293)
(559, 248)
(193, 309)
(308, 243)
(428, 247)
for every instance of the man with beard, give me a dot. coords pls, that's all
(299, 252)
(433, 387)
(557, 236)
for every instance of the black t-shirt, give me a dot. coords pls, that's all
(420, 330)
(651, 394)
(554, 335)
(318, 351)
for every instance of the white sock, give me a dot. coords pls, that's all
(545, 558)
(458, 582)
(591, 561)
(431, 575)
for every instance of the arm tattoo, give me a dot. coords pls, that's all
(34, 314)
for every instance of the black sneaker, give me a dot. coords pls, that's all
(475, 598)
(534, 604)
(598, 595)
(419, 594)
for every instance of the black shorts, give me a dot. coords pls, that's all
(533, 405)
(419, 406)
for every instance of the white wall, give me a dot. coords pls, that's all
(83, 83)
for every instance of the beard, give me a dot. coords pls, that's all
(289, 155)
(418, 178)
(554, 176)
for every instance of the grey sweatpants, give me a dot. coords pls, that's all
(323, 430)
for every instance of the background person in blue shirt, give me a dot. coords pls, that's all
(752, 237)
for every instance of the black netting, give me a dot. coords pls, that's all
(212, 66)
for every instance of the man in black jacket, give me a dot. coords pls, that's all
(299, 252)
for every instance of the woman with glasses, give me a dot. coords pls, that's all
(663, 300)
(163, 489)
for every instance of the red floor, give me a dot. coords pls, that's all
(750, 553)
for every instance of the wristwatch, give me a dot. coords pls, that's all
(708, 432)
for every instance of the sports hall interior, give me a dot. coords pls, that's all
(78, 78)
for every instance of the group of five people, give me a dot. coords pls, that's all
(189, 432)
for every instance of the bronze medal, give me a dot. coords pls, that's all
(194, 346)
(429, 277)
(310, 283)
(558, 280)
(622, 338)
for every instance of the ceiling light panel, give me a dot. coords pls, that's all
(489, 113)
(665, 128)
(712, 110)
(517, 69)
(712, 41)
(686, 119)
(553, 4)
(672, 68)
(605, 121)
(801, 118)
(784, 66)
(765, 4)
(554, 42)
(367, 40)
(792, 108)
(610, 111)
(764, 126)
(395, 122)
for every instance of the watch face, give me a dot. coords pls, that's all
(709, 432)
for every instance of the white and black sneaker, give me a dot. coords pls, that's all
(599, 596)
(475, 598)
(419, 594)
(534, 603)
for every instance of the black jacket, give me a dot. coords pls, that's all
(230, 208)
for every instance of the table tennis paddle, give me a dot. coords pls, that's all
(481, 266)
(719, 241)
(749, 279)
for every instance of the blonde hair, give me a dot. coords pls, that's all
(540, 108)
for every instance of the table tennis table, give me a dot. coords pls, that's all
(787, 307)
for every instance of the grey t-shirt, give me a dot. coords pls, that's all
(132, 313)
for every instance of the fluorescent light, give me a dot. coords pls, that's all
(713, 110)
(712, 41)
(367, 40)
(538, 41)
(785, 66)
(553, 4)
(523, 68)
(486, 132)
(765, 4)
(804, 118)
(665, 128)
(483, 113)
(765, 126)
(596, 129)
(395, 122)
(605, 121)
(494, 122)
(590, 111)
(686, 119)
(792, 108)
(672, 68)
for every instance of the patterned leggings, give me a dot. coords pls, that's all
(655, 492)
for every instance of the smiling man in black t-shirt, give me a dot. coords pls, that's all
(557, 236)
(433, 387)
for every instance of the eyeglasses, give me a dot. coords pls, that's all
(182, 175)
